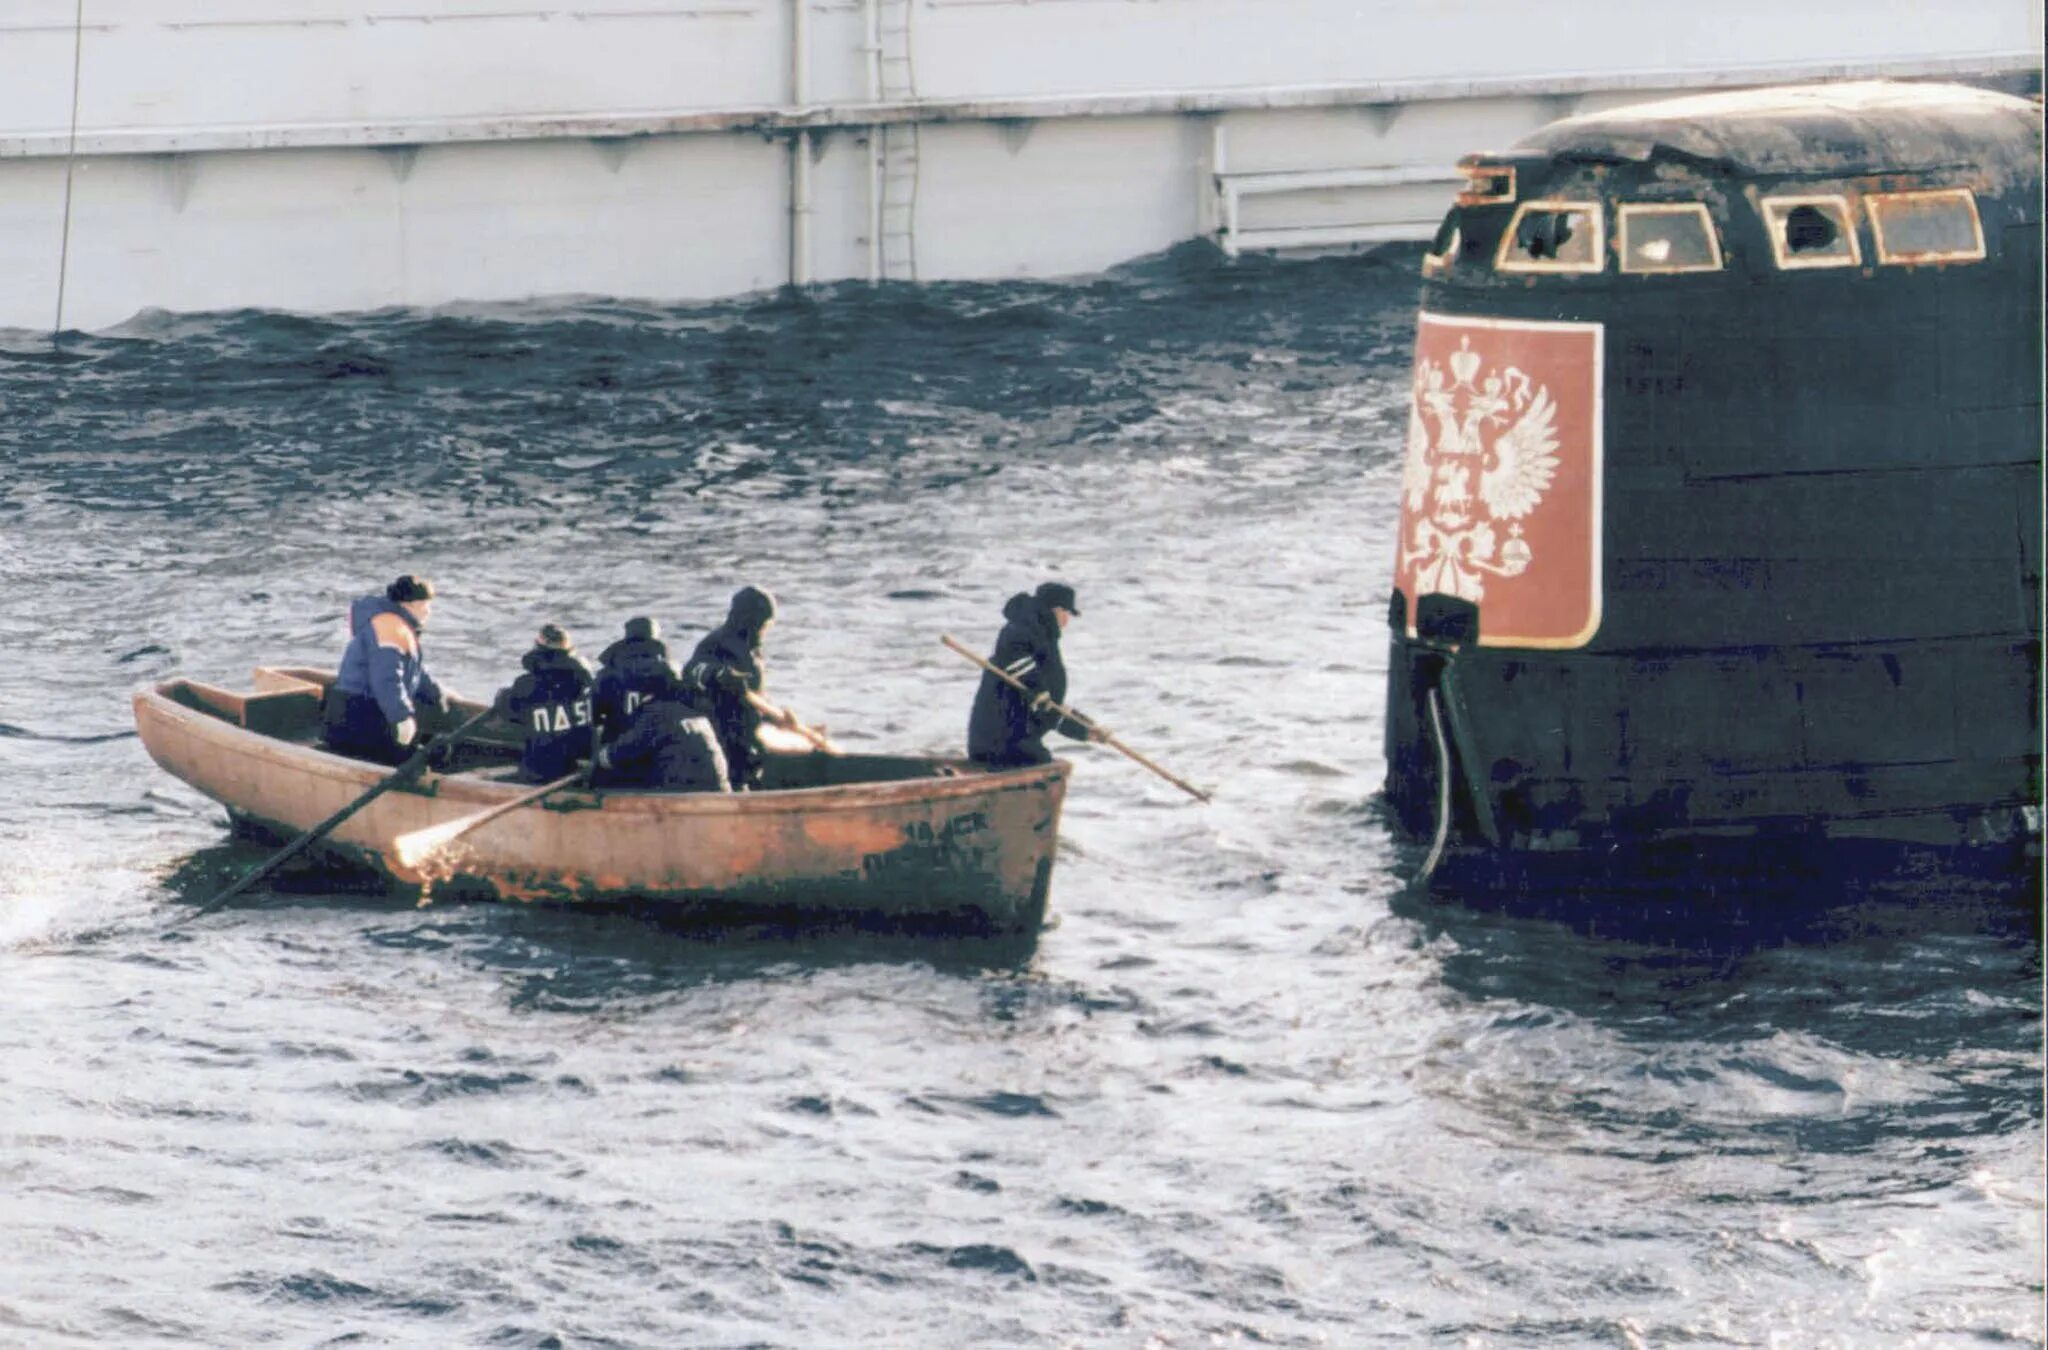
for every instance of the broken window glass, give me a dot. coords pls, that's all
(1812, 232)
(1553, 237)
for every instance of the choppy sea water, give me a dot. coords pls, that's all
(1248, 1091)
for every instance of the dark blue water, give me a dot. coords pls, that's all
(1246, 1092)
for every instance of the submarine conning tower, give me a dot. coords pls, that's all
(1721, 497)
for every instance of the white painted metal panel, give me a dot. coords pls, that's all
(31, 221)
(325, 230)
(344, 154)
(217, 63)
(1055, 199)
(984, 48)
(238, 63)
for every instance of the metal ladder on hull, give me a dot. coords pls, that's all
(892, 215)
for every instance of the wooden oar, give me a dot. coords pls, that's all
(787, 720)
(1097, 732)
(413, 766)
(412, 849)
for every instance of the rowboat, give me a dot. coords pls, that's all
(910, 841)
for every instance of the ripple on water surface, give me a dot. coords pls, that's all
(1248, 1091)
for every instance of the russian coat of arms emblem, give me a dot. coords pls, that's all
(1500, 485)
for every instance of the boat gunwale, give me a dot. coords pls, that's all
(304, 758)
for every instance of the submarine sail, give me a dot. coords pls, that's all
(1721, 491)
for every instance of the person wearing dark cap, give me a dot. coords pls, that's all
(1007, 729)
(630, 672)
(372, 709)
(727, 666)
(551, 701)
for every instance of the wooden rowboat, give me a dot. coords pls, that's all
(909, 840)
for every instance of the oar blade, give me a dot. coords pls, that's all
(424, 855)
(412, 857)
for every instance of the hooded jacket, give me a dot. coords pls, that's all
(725, 667)
(1002, 727)
(551, 700)
(630, 672)
(666, 746)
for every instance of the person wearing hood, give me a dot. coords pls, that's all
(666, 746)
(551, 701)
(1007, 729)
(631, 672)
(726, 667)
(372, 709)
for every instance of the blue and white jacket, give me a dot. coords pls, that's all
(385, 661)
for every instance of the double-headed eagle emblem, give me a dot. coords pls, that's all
(1492, 458)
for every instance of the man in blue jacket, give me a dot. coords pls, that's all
(726, 667)
(551, 701)
(372, 709)
(1007, 729)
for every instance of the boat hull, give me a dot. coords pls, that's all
(959, 847)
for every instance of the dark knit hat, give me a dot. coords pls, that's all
(551, 635)
(640, 628)
(1058, 595)
(409, 587)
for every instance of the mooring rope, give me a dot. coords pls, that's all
(70, 164)
(1443, 789)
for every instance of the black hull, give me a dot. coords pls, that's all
(1598, 754)
(1818, 516)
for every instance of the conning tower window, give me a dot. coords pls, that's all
(1554, 237)
(1485, 184)
(1812, 232)
(1668, 237)
(1938, 226)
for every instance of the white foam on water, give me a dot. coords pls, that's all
(49, 900)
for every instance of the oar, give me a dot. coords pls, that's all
(786, 719)
(411, 768)
(415, 847)
(1072, 716)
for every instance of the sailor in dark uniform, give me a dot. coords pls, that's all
(630, 672)
(667, 746)
(1006, 728)
(372, 710)
(724, 669)
(551, 701)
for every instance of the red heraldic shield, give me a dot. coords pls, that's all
(1500, 494)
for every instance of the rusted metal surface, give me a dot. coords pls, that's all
(1822, 130)
(971, 846)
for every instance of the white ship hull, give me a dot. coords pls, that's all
(352, 157)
